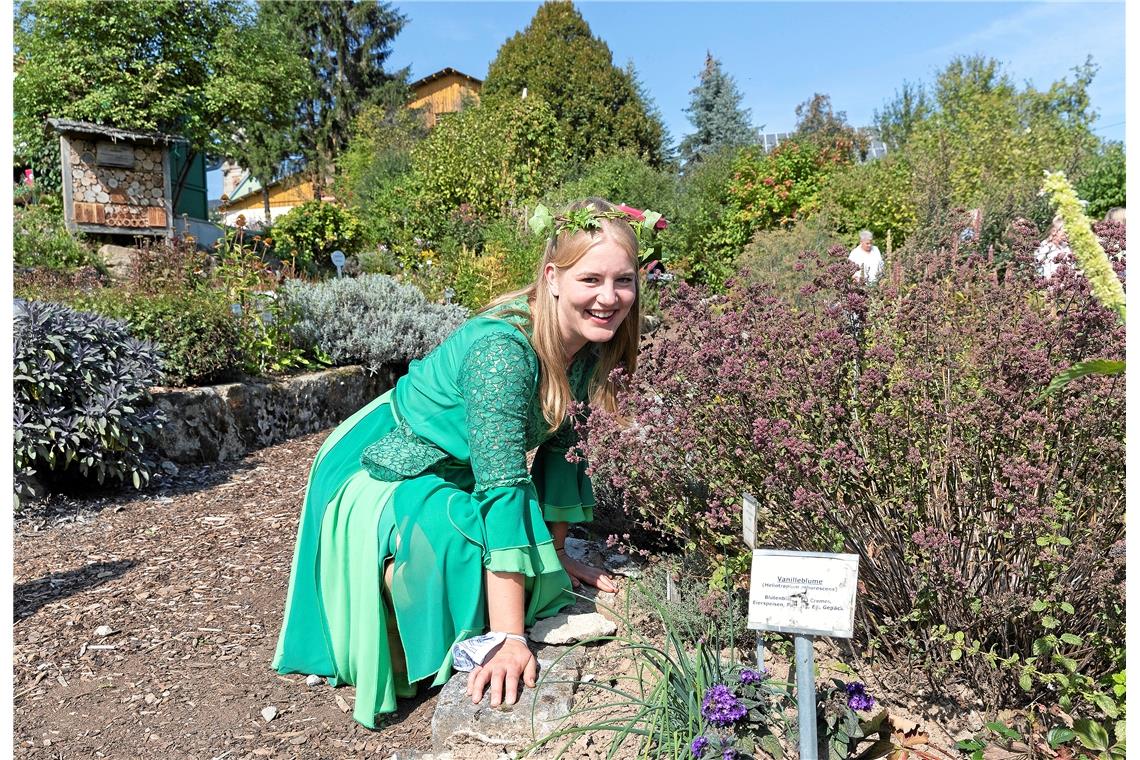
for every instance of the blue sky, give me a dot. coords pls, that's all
(782, 53)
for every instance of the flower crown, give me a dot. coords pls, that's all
(589, 219)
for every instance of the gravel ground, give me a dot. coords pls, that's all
(145, 624)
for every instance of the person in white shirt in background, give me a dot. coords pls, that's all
(867, 257)
(1051, 249)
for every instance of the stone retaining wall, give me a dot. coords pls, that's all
(225, 422)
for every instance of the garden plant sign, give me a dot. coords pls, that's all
(806, 594)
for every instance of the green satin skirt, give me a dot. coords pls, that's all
(432, 528)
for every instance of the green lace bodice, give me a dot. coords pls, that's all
(474, 401)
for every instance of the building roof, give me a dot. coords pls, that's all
(70, 126)
(440, 75)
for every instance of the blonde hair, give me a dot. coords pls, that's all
(564, 251)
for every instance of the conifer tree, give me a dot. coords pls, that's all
(716, 114)
(558, 59)
(346, 43)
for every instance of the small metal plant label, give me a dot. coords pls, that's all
(809, 593)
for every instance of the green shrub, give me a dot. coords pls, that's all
(775, 257)
(776, 188)
(371, 320)
(309, 233)
(702, 242)
(80, 397)
(622, 177)
(41, 239)
(379, 150)
(877, 195)
(195, 331)
(1103, 180)
(734, 194)
(503, 151)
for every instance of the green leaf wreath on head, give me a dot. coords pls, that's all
(589, 219)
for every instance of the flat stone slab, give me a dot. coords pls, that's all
(480, 731)
(599, 555)
(570, 628)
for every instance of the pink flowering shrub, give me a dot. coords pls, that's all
(904, 425)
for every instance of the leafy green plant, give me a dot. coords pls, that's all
(1045, 734)
(41, 239)
(503, 151)
(621, 177)
(80, 397)
(308, 234)
(195, 331)
(702, 243)
(875, 195)
(1107, 740)
(681, 701)
(1103, 180)
(248, 283)
(776, 257)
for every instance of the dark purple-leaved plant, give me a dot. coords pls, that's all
(902, 425)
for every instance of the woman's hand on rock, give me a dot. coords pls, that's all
(510, 662)
(580, 573)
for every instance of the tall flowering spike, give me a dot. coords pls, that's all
(1086, 248)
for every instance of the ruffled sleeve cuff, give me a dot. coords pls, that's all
(564, 489)
(516, 539)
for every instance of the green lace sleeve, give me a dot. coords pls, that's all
(499, 378)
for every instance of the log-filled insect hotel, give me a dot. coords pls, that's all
(116, 182)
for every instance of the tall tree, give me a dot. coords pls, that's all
(902, 114)
(819, 123)
(177, 66)
(989, 138)
(597, 103)
(346, 43)
(716, 114)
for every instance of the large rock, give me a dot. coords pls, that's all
(572, 628)
(478, 731)
(119, 260)
(225, 422)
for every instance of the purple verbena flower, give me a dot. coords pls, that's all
(720, 707)
(751, 676)
(729, 754)
(698, 746)
(858, 698)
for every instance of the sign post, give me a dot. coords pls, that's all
(338, 261)
(748, 521)
(806, 594)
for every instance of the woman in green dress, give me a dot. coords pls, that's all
(422, 528)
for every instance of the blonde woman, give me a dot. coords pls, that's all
(424, 542)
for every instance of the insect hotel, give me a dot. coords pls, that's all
(116, 182)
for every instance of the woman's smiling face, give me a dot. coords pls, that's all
(594, 295)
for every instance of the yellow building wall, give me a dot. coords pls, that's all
(443, 95)
(282, 194)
